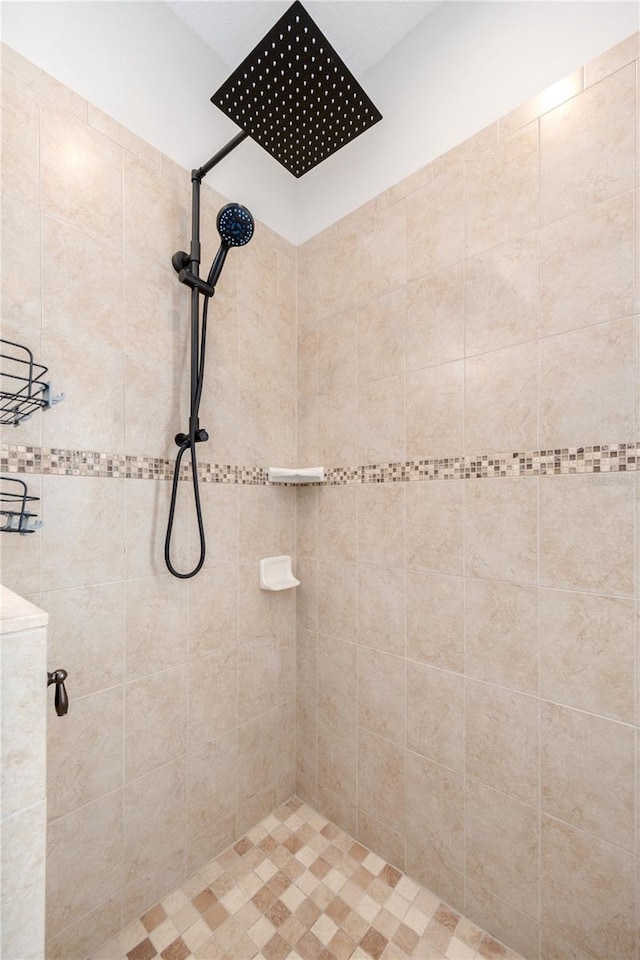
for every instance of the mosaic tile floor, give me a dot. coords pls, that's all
(298, 887)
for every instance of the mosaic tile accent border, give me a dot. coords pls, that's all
(604, 458)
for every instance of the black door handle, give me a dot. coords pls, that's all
(61, 699)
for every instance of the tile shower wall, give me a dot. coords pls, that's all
(466, 647)
(180, 733)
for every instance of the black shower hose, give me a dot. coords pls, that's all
(190, 443)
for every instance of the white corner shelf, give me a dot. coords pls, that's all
(296, 474)
(276, 574)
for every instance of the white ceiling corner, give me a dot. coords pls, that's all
(361, 31)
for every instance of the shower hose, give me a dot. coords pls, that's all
(190, 443)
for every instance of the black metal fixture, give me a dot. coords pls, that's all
(23, 387)
(294, 96)
(15, 517)
(61, 699)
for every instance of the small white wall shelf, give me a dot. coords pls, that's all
(276, 574)
(296, 475)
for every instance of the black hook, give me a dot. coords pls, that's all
(61, 699)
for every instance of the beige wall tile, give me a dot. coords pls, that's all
(20, 173)
(75, 843)
(381, 337)
(306, 750)
(381, 694)
(381, 779)
(612, 59)
(381, 608)
(435, 224)
(220, 516)
(257, 755)
(586, 770)
(154, 806)
(587, 147)
(81, 176)
(501, 401)
(337, 345)
(380, 252)
(258, 676)
(155, 721)
(213, 610)
(89, 933)
(380, 838)
(436, 876)
(337, 523)
(84, 524)
(266, 520)
(257, 426)
(75, 305)
(212, 773)
(307, 521)
(155, 209)
(501, 296)
(213, 694)
(86, 629)
(435, 407)
(337, 753)
(21, 283)
(338, 809)
(307, 362)
(337, 440)
(159, 395)
(23, 882)
(568, 87)
(307, 594)
(586, 541)
(381, 523)
(435, 714)
(92, 380)
(501, 740)
(84, 757)
(502, 846)
(587, 267)
(25, 706)
(435, 318)
(501, 191)
(146, 890)
(501, 529)
(435, 810)
(501, 633)
(587, 385)
(587, 652)
(337, 677)
(501, 919)
(435, 626)
(381, 421)
(147, 513)
(434, 527)
(337, 603)
(586, 891)
(307, 665)
(157, 631)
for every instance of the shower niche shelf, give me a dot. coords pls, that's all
(23, 387)
(15, 516)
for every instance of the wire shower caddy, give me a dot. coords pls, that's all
(15, 517)
(23, 387)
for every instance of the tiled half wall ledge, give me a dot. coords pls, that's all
(595, 459)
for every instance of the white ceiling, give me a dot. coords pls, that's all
(361, 31)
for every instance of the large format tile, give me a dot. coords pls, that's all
(587, 147)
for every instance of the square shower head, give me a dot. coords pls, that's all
(294, 95)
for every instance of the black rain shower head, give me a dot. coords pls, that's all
(294, 95)
(235, 226)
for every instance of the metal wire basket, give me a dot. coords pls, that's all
(23, 388)
(14, 515)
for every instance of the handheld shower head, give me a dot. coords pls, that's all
(235, 226)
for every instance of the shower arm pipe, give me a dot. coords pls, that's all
(197, 285)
